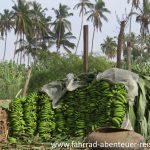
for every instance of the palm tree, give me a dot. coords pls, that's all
(61, 24)
(6, 24)
(109, 47)
(144, 17)
(23, 23)
(28, 49)
(83, 5)
(40, 22)
(64, 41)
(132, 38)
(96, 16)
(120, 43)
(135, 4)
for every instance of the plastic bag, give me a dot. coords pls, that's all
(56, 89)
(128, 78)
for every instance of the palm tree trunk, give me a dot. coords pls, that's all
(28, 60)
(80, 32)
(58, 41)
(120, 43)
(129, 42)
(21, 50)
(18, 59)
(5, 47)
(15, 47)
(129, 55)
(93, 40)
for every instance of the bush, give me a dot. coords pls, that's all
(11, 79)
(53, 67)
(56, 67)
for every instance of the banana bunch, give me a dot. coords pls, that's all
(30, 114)
(60, 130)
(119, 104)
(46, 122)
(17, 124)
(100, 104)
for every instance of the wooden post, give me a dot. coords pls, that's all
(85, 54)
(27, 82)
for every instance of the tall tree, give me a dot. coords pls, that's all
(23, 23)
(64, 41)
(134, 44)
(61, 24)
(83, 5)
(96, 14)
(6, 24)
(40, 22)
(135, 4)
(143, 17)
(109, 47)
(120, 44)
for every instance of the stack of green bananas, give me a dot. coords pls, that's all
(30, 114)
(119, 103)
(100, 104)
(60, 129)
(46, 118)
(17, 124)
(80, 110)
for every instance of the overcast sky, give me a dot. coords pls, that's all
(110, 28)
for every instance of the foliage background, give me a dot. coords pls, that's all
(52, 67)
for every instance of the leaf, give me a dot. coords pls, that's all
(132, 116)
(142, 124)
(142, 86)
(148, 128)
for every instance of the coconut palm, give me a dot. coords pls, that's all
(40, 21)
(143, 17)
(6, 24)
(35, 41)
(96, 14)
(28, 49)
(109, 47)
(83, 5)
(134, 43)
(23, 23)
(64, 41)
(61, 24)
(135, 4)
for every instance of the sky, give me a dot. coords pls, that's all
(110, 28)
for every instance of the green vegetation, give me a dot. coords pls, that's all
(11, 79)
(53, 67)
(57, 67)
